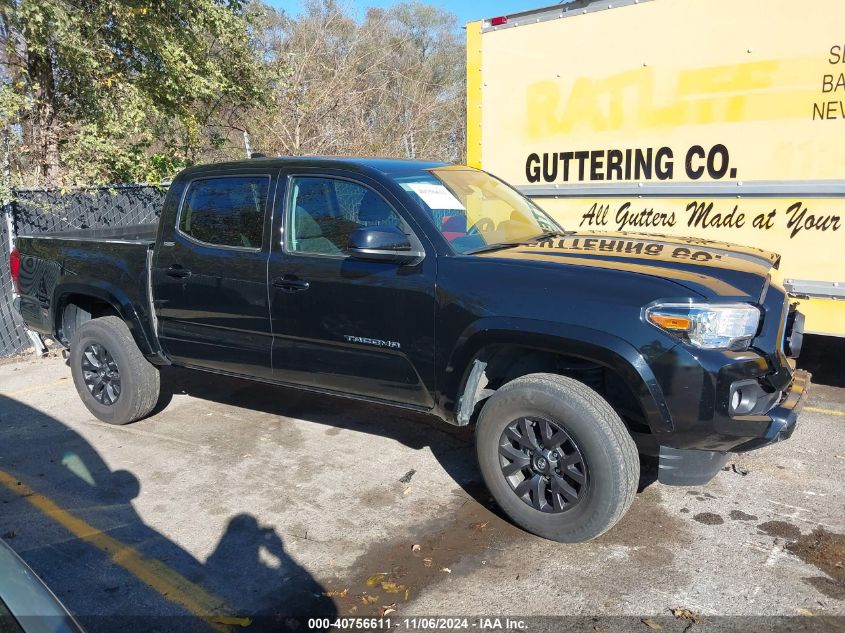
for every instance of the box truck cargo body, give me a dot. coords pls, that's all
(710, 119)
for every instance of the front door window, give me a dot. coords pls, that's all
(323, 212)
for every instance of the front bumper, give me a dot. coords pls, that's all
(693, 467)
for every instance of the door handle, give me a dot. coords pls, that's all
(177, 271)
(289, 283)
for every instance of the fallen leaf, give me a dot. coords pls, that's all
(651, 624)
(479, 526)
(231, 620)
(387, 609)
(353, 608)
(336, 594)
(392, 587)
(739, 470)
(368, 599)
(446, 569)
(415, 547)
(372, 581)
(598, 628)
(406, 478)
(406, 491)
(686, 614)
(427, 562)
(804, 612)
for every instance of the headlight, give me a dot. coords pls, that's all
(708, 326)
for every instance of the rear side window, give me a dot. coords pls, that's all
(226, 211)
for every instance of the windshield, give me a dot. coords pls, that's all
(474, 210)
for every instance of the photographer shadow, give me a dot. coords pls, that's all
(72, 519)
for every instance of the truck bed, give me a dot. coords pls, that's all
(114, 261)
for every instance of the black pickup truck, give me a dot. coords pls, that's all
(437, 288)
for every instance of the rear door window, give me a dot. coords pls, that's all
(226, 211)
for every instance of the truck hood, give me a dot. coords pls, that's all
(711, 269)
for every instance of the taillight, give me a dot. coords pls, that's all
(15, 268)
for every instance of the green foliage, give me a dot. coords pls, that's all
(12, 103)
(99, 91)
(127, 79)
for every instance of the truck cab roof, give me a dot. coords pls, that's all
(382, 165)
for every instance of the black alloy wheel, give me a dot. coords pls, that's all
(543, 465)
(556, 457)
(101, 374)
(112, 376)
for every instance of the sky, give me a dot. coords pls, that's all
(466, 10)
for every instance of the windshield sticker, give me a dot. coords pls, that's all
(436, 196)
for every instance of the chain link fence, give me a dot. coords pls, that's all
(33, 211)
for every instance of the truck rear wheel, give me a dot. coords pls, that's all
(556, 457)
(112, 377)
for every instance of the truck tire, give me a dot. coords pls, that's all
(112, 377)
(556, 457)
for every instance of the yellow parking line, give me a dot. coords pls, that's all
(841, 414)
(170, 584)
(20, 392)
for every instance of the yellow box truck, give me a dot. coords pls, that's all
(714, 119)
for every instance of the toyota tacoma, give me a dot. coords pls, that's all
(441, 289)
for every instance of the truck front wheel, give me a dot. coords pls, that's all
(556, 457)
(112, 377)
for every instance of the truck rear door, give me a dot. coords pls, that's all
(210, 274)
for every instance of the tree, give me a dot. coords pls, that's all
(426, 87)
(97, 91)
(123, 89)
(392, 84)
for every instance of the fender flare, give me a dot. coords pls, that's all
(589, 344)
(108, 293)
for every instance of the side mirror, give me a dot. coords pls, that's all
(382, 244)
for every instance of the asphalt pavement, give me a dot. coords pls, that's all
(245, 505)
